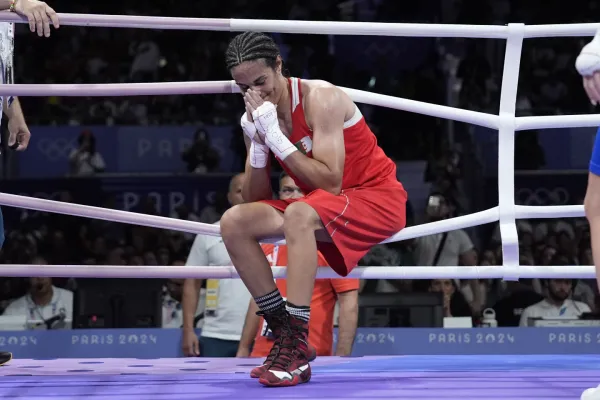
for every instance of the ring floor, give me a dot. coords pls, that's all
(394, 377)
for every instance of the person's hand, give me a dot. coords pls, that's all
(253, 101)
(190, 344)
(249, 128)
(19, 134)
(447, 303)
(39, 15)
(263, 112)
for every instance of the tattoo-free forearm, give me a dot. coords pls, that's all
(348, 320)
(313, 173)
(189, 302)
(14, 110)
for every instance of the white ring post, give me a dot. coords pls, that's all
(506, 152)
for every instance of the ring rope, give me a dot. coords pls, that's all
(507, 124)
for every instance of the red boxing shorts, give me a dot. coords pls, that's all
(357, 219)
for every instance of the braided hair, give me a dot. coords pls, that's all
(250, 46)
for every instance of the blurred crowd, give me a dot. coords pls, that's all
(81, 55)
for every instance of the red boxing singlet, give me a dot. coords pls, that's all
(372, 204)
(366, 164)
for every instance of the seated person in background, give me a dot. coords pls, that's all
(518, 296)
(43, 301)
(325, 295)
(556, 303)
(172, 316)
(581, 291)
(455, 304)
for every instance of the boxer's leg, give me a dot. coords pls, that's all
(290, 364)
(301, 225)
(242, 227)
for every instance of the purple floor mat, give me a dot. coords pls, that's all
(414, 377)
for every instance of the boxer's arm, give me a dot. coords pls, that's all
(257, 183)
(325, 114)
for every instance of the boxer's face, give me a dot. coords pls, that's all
(259, 77)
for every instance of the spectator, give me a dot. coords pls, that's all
(43, 301)
(201, 157)
(455, 304)
(85, 159)
(556, 303)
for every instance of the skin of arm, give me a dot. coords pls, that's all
(325, 109)
(348, 320)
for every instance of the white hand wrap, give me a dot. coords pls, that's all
(258, 153)
(248, 127)
(588, 61)
(265, 119)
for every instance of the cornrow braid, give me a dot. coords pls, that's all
(250, 46)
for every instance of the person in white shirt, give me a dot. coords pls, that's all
(226, 300)
(557, 303)
(449, 249)
(43, 301)
(85, 160)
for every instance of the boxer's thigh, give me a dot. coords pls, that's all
(259, 220)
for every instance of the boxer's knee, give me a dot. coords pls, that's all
(250, 221)
(300, 218)
(232, 223)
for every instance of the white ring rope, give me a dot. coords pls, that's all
(313, 27)
(506, 123)
(228, 272)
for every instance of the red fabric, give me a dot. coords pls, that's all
(372, 204)
(366, 164)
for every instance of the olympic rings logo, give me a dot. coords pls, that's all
(56, 149)
(542, 196)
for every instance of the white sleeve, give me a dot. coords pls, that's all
(464, 241)
(583, 307)
(15, 308)
(198, 255)
(525, 316)
(97, 161)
